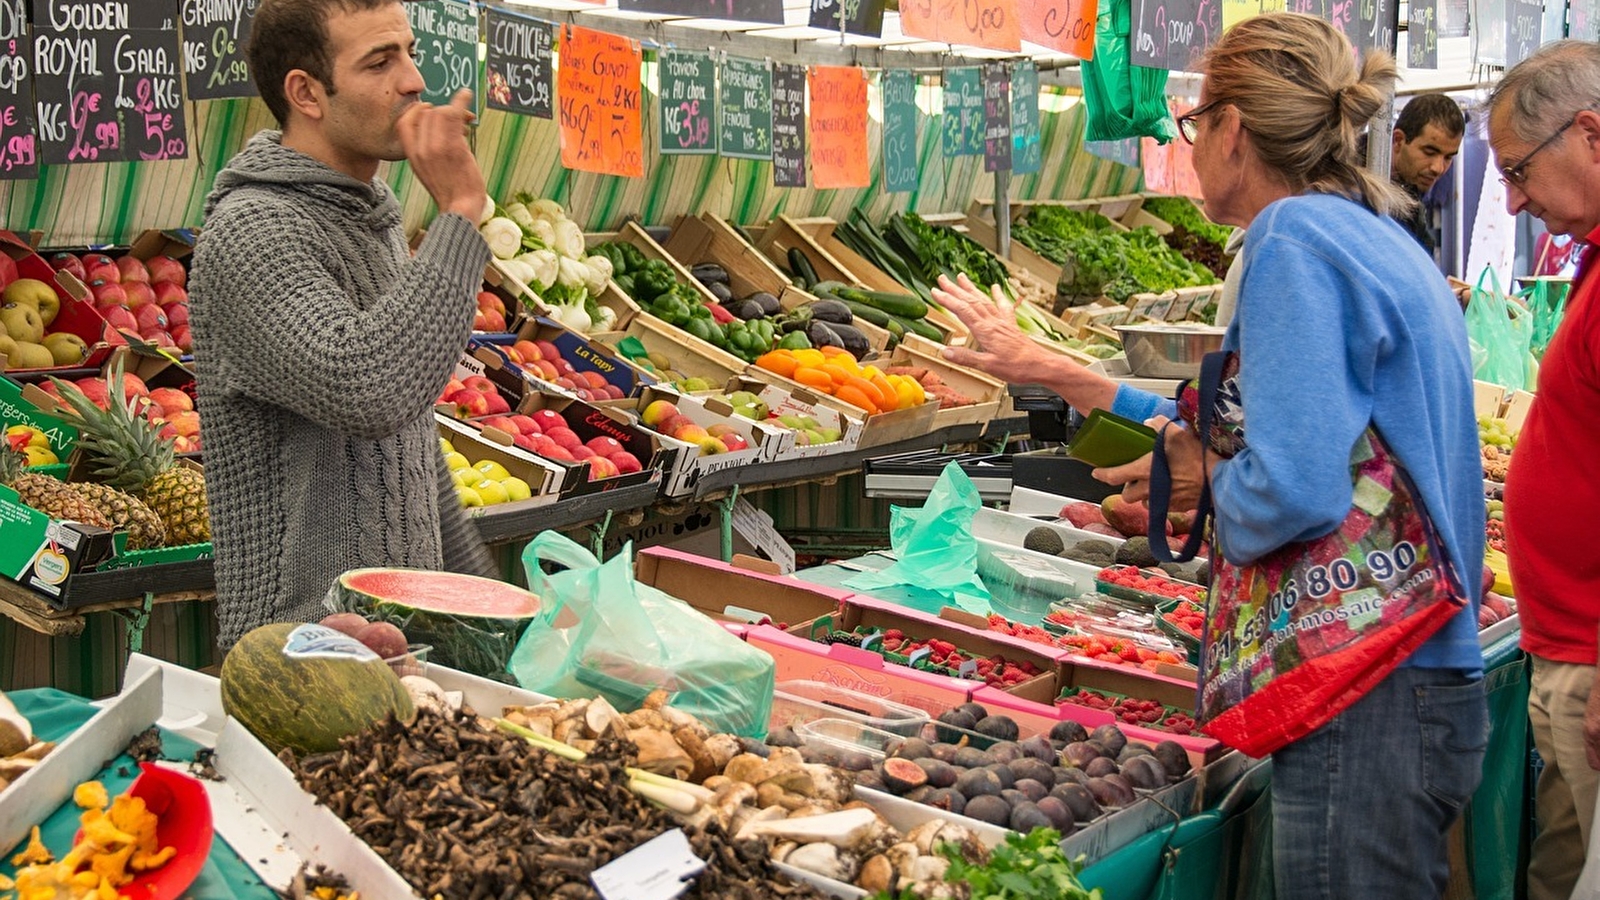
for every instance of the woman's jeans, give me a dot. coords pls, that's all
(1361, 806)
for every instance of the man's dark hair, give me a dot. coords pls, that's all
(1431, 109)
(293, 34)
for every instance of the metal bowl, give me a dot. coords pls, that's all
(1169, 351)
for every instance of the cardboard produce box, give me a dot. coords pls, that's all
(782, 401)
(76, 316)
(734, 595)
(578, 350)
(689, 357)
(852, 668)
(545, 477)
(877, 429)
(764, 442)
(26, 404)
(987, 393)
(655, 456)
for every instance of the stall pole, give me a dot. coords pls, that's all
(1002, 211)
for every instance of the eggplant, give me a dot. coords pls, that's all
(768, 302)
(709, 274)
(831, 311)
(821, 334)
(747, 310)
(721, 291)
(852, 340)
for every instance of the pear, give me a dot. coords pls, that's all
(23, 323)
(35, 293)
(66, 349)
(30, 355)
(8, 348)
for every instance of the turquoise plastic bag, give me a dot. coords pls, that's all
(1502, 334)
(600, 632)
(937, 556)
(1547, 300)
(1122, 100)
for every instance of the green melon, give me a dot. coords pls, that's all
(471, 623)
(305, 687)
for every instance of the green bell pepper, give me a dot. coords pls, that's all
(651, 283)
(700, 328)
(795, 340)
(624, 283)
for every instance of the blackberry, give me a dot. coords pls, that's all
(844, 637)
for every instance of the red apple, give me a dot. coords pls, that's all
(133, 269)
(564, 436)
(478, 383)
(469, 403)
(582, 452)
(139, 293)
(613, 392)
(525, 441)
(546, 369)
(497, 403)
(107, 293)
(167, 292)
(547, 350)
(450, 387)
(186, 421)
(150, 317)
(528, 350)
(492, 320)
(600, 467)
(491, 300)
(604, 445)
(90, 260)
(734, 441)
(69, 262)
(168, 431)
(177, 313)
(182, 337)
(119, 317)
(479, 323)
(185, 444)
(674, 424)
(106, 271)
(625, 462)
(547, 420)
(166, 270)
(96, 390)
(503, 423)
(556, 451)
(133, 386)
(526, 425)
(171, 399)
(152, 410)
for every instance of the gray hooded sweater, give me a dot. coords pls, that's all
(320, 346)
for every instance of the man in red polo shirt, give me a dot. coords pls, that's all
(1544, 129)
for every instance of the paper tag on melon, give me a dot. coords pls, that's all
(319, 642)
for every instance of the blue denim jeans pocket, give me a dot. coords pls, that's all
(1454, 719)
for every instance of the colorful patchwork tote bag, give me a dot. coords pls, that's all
(1296, 637)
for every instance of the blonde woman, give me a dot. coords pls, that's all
(1342, 325)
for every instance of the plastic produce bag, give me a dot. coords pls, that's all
(601, 632)
(1123, 100)
(1503, 333)
(937, 561)
(1547, 300)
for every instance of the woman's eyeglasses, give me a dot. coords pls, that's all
(1189, 124)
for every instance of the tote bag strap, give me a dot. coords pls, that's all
(1211, 369)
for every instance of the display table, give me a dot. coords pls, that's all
(55, 715)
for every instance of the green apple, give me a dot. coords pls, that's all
(469, 497)
(516, 488)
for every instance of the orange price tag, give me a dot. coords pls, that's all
(598, 86)
(1065, 25)
(838, 126)
(992, 24)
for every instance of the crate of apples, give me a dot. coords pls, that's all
(473, 397)
(547, 433)
(146, 298)
(543, 360)
(171, 408)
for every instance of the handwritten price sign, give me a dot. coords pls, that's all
(899, 88)
(1524, 21)
(962, 127)
(518, 64)
(1026, 151)
(863, 17)
(994, 24)
(1065, 25)
(598, 86)
(788, 125)
(746, 109)
(19, 157)
(1422, 35)
(214, 35)
(75, 80)
(447, 47)
(149, 92)
(688, 103)
(1172, 34)
(996, 117)
(839, 126)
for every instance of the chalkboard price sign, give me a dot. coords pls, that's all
(517, 65)
(746, 108)
(963, 111)
(19, 154)
(1585, 23)
(1172, 34)
(688, 103)
(1379, 21)
(1422, 35)
(788, 125)
(863, 17)
(1524, 21)
(899, 89)
(769, 12)
(149, 84)
(447, 47)
(1025, 147)
(85, 54)
(996, 117)
(214, 35)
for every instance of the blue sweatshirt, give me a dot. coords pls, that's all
(1344, 321)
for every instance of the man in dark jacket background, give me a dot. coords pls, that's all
(1427, 138)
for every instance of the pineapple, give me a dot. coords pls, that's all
(144, 527)
(128, 453)
(47, 495)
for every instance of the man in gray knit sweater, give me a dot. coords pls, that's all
(320, 342)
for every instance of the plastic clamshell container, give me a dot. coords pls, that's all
(849, 736)
(797, 703)
(1022, 583)
(1188, 641)
(413, 662)
(1148, 598)
(1107, 439)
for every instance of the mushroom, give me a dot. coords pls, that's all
(656, 699)
(722, 747)
(847, 828)
(427, 694)
(660, 754)
(770, 794)
(16, 767)
(782, 850)
(878, 875)
(601, 717)
(716, 782)
(705, 765)
(16, 732)
(569, 729)
(823, 859)
(929, 835)
(786, 756)
(749, 768)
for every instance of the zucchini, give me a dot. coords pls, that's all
(919, 327)
(802, 267)
(870, 313)
(904, 305)
(827, 287)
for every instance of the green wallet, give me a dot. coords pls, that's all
(1107, 439)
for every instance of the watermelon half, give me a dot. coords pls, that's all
(472, 623)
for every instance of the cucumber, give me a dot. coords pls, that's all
(920, 328)
(871, 313)
(802, 266)
(903, 305)
(827, 287)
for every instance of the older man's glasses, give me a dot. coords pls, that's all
(1189, 123)
(1517, 175)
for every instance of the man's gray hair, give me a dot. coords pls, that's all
(1549, 87)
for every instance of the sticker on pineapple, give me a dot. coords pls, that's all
(320, 642)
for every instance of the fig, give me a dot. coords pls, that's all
(989, 809)
(951, 721)
(972, 758)
(1132, 749)
(1001, 728)
(1079, 753)
(975, 783)
(855, 762)
(1003, 773)
(1110, 737)
(751, 745)
(1054, 809)
(784, 737)
(870, 779)
(1069, 732)
(1005, 751)
(901, 776)
(920, 794)
(1123, 786)
(947, 799)
(1079, 799)
(1034, 769)
(1033, 790)
(977, 711)
(913, 748)
(1025, 817)
(1173, 758)
(945, 752)
(1013, 796)
(1099, 748)
(1145, 772)
(1039, 748)
(1100, 767)
(940, 775)
(1106, 794)
(1070, 775)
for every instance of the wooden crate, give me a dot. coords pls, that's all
(988, 391)
(1122, 209)
(631, 233)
